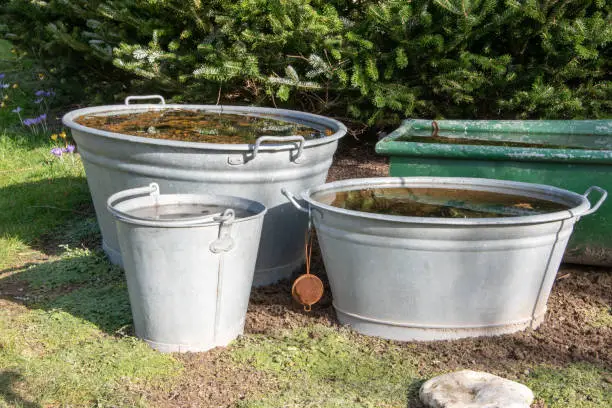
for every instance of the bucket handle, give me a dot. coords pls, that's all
(224, 241)
(145, 97)
(594, 208)
(151, 189)
(293, 201)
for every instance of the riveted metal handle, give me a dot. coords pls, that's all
(224, 242)
(145, 97)
(293, 201)
(151, 189)
(284, 139)
(598, 204)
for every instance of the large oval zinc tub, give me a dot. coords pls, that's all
(257, 171)
(430, 277)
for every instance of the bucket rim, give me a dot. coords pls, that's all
(580, 207)
(292, 116)
(205, 199)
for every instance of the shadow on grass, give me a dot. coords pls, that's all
(49, 212)
(82, 283)
(7, 381)
(412, 395)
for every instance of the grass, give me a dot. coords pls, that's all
(323, 367)
(65, 322)
(577, 386)
(62, 342)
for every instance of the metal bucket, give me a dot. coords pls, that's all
(418, 278)
(189, 267)
(115, 162)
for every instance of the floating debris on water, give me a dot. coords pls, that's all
(440, 203)
(199, 126)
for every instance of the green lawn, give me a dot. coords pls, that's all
(65, 323)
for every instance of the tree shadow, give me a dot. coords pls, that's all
(7, 379)
(82, 283)
(47, 213)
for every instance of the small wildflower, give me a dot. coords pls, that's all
(6, 97)
(41, 76)
(57, 151)
(69, 149)
(2, 76)
(2, 105)
(17, 109)
(15, 86)
(62, 135)
(54, 137)
(3, 85)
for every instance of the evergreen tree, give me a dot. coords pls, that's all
(375, 61)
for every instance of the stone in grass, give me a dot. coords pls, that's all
(474, 389)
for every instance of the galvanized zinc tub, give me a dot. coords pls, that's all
(419, 278)
(570, 154)
(115, 162)
(189, 262)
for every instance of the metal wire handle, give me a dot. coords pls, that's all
(145, 97)
(604, 195)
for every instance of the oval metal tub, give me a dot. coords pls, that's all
(115, 162)
(418, 278)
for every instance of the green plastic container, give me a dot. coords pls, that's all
(571, 154)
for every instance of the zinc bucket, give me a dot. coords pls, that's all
(189, 261)
(432, 277)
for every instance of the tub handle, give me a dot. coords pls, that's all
(293, 201)
(594, 208)
(151, 189)
(145, 97)
(297, 158)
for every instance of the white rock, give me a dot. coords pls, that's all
(474, 389)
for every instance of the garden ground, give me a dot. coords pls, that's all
(66, 337)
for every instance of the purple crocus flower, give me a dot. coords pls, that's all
(29, 122)
(57, 151)
(69, 149)
(3, 85)
(40, 93)
(42, 117)
(17, 109)
(49, 93)
(2, 76)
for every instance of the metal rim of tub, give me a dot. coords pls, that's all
(581, 206)
(303, 118)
